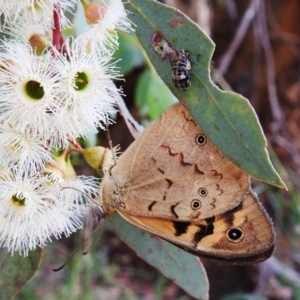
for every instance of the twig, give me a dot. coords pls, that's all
(268, 270)
(286, 144)
(291, 254)
(134, 127)
(231, 9)
(239, 36)
(279, 128)
(283, 270)
(271, 77)
(266, 273)
(277, 32)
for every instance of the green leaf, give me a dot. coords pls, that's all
(17, 271)
(129, 53)
(185, 269)
(226, 117)
(146, 97)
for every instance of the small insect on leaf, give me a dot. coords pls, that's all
(181, 70)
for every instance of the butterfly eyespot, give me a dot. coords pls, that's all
(235, 235)
(201, 139)
(196, 204)
(203, 192)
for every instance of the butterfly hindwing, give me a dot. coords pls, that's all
(241, 235)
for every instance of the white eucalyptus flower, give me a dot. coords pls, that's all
(22, 149)
(86, 89)
(73, 192)
(101, 34)
(28, 85)
(31, 12)
(34, 34)
(79, 192)
(30, 214)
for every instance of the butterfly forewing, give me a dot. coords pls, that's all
(173, 171)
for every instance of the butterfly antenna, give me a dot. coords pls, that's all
(110, 142)
(100, 217)
(87, 195)
(93, 243)
(61, 267)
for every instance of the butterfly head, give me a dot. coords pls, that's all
(112, 193)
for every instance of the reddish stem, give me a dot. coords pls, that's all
(57, 27)
(75, 144)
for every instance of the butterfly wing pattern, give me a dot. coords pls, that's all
(173, 182)
(242, 235)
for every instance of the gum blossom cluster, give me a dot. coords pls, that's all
(53, 89)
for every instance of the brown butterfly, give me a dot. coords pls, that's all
(173, 182)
